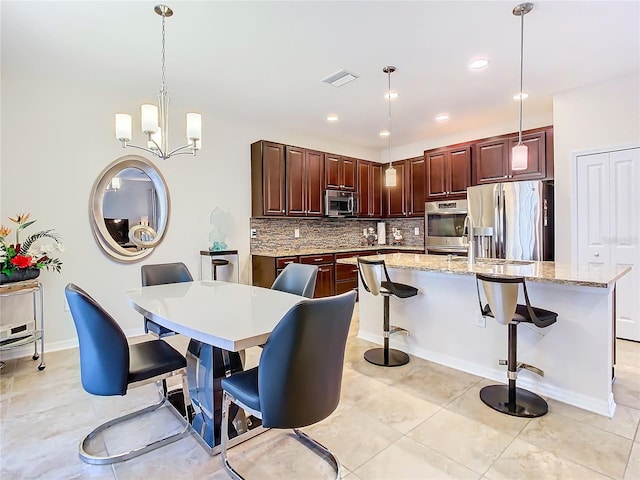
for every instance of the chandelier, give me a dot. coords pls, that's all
(155, 118)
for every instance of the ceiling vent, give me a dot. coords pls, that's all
(340, 78)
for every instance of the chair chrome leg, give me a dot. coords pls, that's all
(322, 451)
(107, 460)
(224, 438)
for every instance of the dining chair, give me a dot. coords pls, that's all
(297, 278)
(109, 366)
(162, 274)
(297, 382)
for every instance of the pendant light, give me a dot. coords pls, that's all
(519, 153)
(390, 172)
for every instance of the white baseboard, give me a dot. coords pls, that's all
(606, 408)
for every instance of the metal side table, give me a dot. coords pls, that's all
(21, 333)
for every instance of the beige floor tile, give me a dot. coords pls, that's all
(353, 436)
(624, 423)
(468, 442)
(408, 459)
(626, 388)
(589, 446)
(397, 409)
(524, 461)
(632, 471)
(470, 405)
(436, 383)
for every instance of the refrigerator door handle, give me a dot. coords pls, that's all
(496, 223)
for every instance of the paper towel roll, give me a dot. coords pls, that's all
(382, 233)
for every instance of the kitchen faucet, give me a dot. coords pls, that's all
(468, 226)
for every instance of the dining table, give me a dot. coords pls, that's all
(222, 319)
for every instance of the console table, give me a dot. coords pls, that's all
(19, 333)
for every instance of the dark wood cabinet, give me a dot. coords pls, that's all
(369, 189)
(416, 194)
(267, 179)
(346, 275)
(448, 172)
(492, 157)
(396, 204)
(340, 172)
(325, 281)
(305, 176)
(265, 269)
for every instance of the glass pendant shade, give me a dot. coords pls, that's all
(390, 176)
(123, 127)
(519, 157)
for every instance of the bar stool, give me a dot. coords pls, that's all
(218, 262)
(370, 276)
(502, 298)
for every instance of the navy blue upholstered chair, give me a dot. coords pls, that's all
(297, 278)
(109, 366)
(502, 304)
(298, 380)
(371, 271)
(161, 274)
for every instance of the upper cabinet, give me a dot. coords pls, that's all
(492, 157)
(397, 196)
(286, 180)
(304, 181)
(417, 188)
(369, 189)
(267, 179)
(340, 172)
(448, 172)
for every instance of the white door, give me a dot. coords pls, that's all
(609, 226)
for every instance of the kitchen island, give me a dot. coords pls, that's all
(576, 353)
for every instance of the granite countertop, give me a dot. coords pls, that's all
(544, 272)
(284, 252)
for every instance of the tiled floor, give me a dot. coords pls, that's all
(418, 421)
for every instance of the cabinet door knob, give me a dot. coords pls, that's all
(506, 176)
(596, 254)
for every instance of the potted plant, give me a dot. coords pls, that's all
(23, 261)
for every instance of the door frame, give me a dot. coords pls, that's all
(574, 188)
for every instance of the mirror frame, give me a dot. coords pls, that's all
(96, 210)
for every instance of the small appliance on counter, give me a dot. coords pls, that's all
(382, 233)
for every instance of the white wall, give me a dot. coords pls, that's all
(58, 135)
(603, 115)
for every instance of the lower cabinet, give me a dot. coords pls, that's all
(346, 275)
(325, 283)
(265, 269)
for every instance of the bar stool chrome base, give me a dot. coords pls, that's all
(525, 404)
(386, 357)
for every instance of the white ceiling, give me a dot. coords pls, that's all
(264, 61)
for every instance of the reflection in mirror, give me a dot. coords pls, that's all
(129, 208)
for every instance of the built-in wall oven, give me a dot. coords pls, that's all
(443, 227)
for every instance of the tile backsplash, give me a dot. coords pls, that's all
(279, 233)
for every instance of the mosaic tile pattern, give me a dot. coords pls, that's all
(327, 234)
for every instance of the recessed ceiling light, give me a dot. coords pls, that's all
(332, 117)
(524, 96)
(478, 63)
(385, 133)
(443, 117)
(391, 95)
(340, 78)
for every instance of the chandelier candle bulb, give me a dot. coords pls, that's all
(123, 127)
(194, 127)
(149, 116)
(155, 140)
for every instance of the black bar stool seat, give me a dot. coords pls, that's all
(218, 262)
(502, 297)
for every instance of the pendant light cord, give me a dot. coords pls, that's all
(163, 87)
(521, 71)
(389, 100)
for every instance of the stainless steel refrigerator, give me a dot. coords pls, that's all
(512, 220)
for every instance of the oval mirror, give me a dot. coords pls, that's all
(129, 208)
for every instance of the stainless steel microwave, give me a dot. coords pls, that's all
(338, 203)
